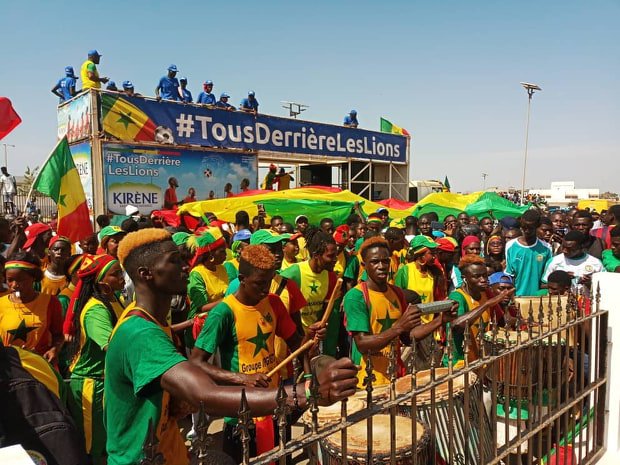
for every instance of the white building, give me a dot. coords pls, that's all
(563, 193)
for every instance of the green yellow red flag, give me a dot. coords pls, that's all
(387, 126)
(125, 121)
(60, 180)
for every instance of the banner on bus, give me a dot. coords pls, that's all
(135, 119)
(139, 176)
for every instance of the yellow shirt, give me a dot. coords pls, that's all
(88, 83)
(52, 284)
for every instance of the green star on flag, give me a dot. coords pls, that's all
(125, 119)
(387, 322)
(423, 297)
(260, 341)
(61, 200)
(314, 287)
(21, 332)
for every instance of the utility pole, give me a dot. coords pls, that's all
(530, 89)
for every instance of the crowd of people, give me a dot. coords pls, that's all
(169, 87)
(135, 314)
(515, 197)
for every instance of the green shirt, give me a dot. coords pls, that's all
(610, 261)
(139, 353)
(95, 330)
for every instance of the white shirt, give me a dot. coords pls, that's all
(7, 184)
(586, 264)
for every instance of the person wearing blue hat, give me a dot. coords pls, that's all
(223, 102)
(350, 120)
(111, 86)
(168, 87)
(249, 104)
(129, 90)
(89, 73)
(65, 87)
(186, 95)
(206, 97)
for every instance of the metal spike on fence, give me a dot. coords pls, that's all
(550, 314)
(559, 311)
(392, 369)
(530, 320)
(449, 346)
(541, 317)
(281, 412)
(313, 400)
(202, 440)
(598, 297)
(244, 425)
(480, 335)
(296, 374)
(369, 379)
(150, 448)
(411, 363)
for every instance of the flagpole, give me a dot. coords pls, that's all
(39, 173)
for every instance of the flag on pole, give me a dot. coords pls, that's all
(60, 180)
(9, 118)
(386, 126)
(446, 185)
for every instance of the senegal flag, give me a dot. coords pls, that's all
(124, 120)
(386, 126)
(60, 180)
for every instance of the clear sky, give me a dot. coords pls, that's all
(448, 71)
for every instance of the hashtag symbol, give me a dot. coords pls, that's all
(109, 158)
(185, 125)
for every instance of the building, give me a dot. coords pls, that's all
(564, 193)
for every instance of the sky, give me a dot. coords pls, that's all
(448, 71)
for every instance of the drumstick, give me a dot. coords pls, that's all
(290, 358)
(332, 301)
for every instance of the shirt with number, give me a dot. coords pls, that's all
(65, 85)
(372, 316)
(526, 264)
(139, 353)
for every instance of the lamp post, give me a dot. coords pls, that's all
(530, 89)
(6, 157)
(484, 181)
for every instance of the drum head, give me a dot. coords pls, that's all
(442, 392)
(332, 413)
(357, 438)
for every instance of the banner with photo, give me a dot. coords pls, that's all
(74, 118)
(135, 119)
(139, 176)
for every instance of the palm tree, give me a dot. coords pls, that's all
(29, 177)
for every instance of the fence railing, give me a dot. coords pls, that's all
(44, 206)
(531, 394)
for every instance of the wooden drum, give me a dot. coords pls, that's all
(357, 440)
(332, 413)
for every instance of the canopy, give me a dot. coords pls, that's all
(480, 204)
(314, 202)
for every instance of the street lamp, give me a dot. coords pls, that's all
(294, 108)
(6, 158)
(530, 89)
(484, 181)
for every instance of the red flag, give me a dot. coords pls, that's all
(9, 118)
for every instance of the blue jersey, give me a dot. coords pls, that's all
(350, 121)
(65, 84)
(206, 98)
(221, 104)
(247, 104)
(187, 95)
(168, 88)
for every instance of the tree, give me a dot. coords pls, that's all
(29, 176)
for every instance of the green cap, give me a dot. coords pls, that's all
(420, 242)
(265, 236)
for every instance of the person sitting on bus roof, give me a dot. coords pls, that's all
(186, 95)
(206, 97)
(112, 86)
(128, 89)
(350, 120)
(249, 104)
(65, 87)
(169, 86)
(223, 102)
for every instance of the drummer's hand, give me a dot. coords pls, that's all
(586, 279)
(409, 320)
(451, 314)
(255, 380)
(316, 330)
(337, 381)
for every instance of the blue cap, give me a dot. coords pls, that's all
(127, 85)
(208, 83)
(184, 79)
(508, 222)
(173, 68)
(224, 95)
(111, 84)
(242, 235)
(251, 93)
(69, 71)
(500, 278)
(438, 234)
(93, 53)
(353, 112)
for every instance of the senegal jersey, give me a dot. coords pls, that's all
(315, 287)
(466, 304)
(40, 370)
(381, 311)
(412, 277)
(398, 260)
(139, 353)
(96, 326)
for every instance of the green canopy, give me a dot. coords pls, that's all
(315, 210)
(480, 204)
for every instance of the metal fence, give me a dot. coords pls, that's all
(44, 206)
(536, 395)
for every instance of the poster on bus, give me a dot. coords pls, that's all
(83, 163)
(139, 176)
